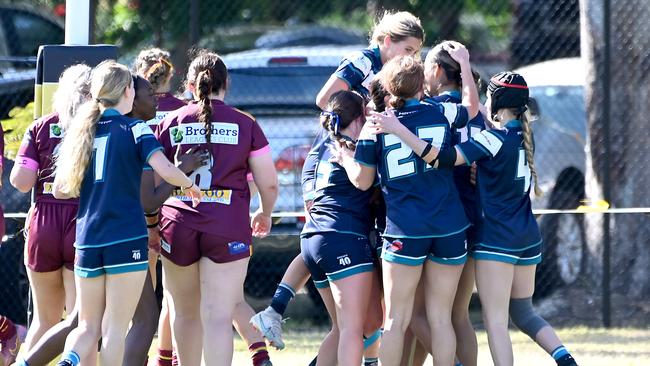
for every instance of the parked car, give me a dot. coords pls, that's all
(23, 28)
(560, 134)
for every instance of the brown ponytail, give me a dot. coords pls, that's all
(155, 65)
(343, 108)
(403, 78)
(203, 87)
(209, 75)
(529, 149)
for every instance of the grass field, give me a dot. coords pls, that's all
(590, 346)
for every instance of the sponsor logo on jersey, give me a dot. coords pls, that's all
(222, 196)
(395, 245)
(344, 260)
(194, 133)
(47, 188)
(165, 246)
(55, 131)
(237, 247)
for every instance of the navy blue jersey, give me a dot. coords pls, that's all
(468, 191)
(337, 204)
(504, 187)
(421, 201)
(359, 68)
(110, 211)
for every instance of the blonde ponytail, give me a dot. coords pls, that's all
(108, 85)
(529, 149)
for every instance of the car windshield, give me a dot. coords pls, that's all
(563, 107)
(279, 86)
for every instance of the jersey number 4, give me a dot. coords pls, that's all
(400, 161)
(100, 145)
(523, 171)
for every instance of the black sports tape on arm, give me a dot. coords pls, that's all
(447, 158)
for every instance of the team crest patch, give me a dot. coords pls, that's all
(56, 131)
(395, 246)
(194, 133)
(237, 247)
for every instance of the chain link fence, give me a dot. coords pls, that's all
(280, 53)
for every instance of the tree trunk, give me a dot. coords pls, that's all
(629, 107)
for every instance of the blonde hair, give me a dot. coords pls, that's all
(155, 65)
(529, 148)
(398, 26)
(403, 78)
(72, 92)
(109, 81)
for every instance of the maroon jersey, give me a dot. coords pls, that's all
(166, 103)
(36, 150)
(236, 136)
(2, 145)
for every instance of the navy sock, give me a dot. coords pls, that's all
(283, 294)
(313, 362)
(370, 361)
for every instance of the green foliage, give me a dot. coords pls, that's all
(15, 126)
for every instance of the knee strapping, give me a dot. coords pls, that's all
(525, 318)
(371, 339)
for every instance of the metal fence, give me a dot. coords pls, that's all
(595, 268)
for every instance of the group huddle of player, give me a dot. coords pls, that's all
(413, 193)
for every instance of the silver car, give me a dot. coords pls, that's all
(560, 134)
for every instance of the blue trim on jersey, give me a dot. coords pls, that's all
(153, 151)
(109, 112)
(347, 272)
(510, 250)
(322, 284)
(449, 261)
(147, 168)
(460, 150)
(145, 136)
(411, 102)
(403, 259)
(365, 164)
(486, 151)
(356, 70)
(109, 243)
(365, 142)
(429, 236)
(506, 258)
(452, 93)
(513, 124)
(333, 231)
(377, 53)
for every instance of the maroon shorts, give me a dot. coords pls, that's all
(50, 236)
(184, 246)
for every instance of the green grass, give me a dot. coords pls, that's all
(590, 346)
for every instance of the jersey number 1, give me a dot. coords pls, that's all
(100, 145)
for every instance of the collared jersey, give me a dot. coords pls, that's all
(110, 210)
(468, 191)
(36, 153)
(166, 103)
(225, 202)
(337, 204)
(359, 68)
(504, 187)
(421, 201)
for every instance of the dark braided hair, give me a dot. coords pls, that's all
(209, 75)
(378, 94)
(343, 108)
(450, 67)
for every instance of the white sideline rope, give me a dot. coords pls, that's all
(543, 211)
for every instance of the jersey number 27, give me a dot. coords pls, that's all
(400, 161)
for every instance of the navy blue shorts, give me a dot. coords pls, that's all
(331, 256)
(127, 256)
(451, 249)
(376, 243)
(526, 256)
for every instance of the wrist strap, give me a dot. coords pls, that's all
(427, 149)
(151, 214)
(151, 226)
